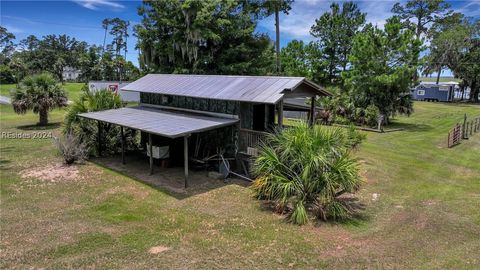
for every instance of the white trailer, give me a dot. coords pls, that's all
(114, 86)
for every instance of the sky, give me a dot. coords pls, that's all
(82, 18)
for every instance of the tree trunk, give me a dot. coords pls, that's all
(277, 37)
(474, 89)
(43, 114)
(438, 75)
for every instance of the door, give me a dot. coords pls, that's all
(259, 117)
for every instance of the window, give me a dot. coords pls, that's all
(421, 92)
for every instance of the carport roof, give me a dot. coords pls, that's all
(171, 124)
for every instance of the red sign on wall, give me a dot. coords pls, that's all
(113, 88)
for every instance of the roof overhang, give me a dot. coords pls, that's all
(171, 124)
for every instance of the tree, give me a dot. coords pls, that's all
(304, 170)
(215, 37)
(119, 32)
(275, 7)
(39, 93)
(419, 14)
(7, 46)
(304, 60)
(52, 53)
(89, 64)
(468, 67)
(382, 63)
(449, 38)
(335, 31)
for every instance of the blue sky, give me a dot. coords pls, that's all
(82, 18)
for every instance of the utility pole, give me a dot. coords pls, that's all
(277, 41)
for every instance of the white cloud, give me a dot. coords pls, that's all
(13, 29)
(96, 4)
(297, 24)
(471, 9)
(300, 19)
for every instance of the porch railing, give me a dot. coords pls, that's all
(251, 138)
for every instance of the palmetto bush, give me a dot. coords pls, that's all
(87, 130)
(307, 171)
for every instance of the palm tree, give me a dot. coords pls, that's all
(86, 131)
(306, 170)
(39, 93)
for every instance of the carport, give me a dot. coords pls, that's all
(167, 123)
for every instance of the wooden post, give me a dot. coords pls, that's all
(312, 111)
(465, 128)
(151, 152)
(280, 114)
(99, 138)
(185, 159)
(448, 140)
(123, 145)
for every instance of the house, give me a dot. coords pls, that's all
(114, 86)
(197, 116)
(70, 74)
(434, 92)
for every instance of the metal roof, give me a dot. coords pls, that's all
(165, 123)
(260, 89)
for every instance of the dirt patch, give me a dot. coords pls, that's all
(51, 173)
(464, 172)
(158, 249)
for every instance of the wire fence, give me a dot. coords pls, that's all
(463, 131)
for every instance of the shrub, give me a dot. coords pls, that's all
(71, 148)
(305, 171)
(371, 115)
(86, 130)
(355, 137)
(6, 75)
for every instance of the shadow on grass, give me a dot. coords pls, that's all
(39, 127)
(358, 219)
(411, 127)
(160, 181)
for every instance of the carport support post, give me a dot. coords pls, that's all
(185, 159)
(312, 111)
(151, 152)
(99, 138)
(123, 145)
(280, 114)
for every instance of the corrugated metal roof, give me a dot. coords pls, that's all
(261, 89)
(170, 124)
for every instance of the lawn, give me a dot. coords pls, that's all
(73, 89)
(442, 79)
(422, 202)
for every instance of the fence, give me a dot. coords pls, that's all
(463, 131)
(455, 136)
(251, 138)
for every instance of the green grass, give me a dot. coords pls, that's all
(442, 79)
(73, 89)
(426, 215)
